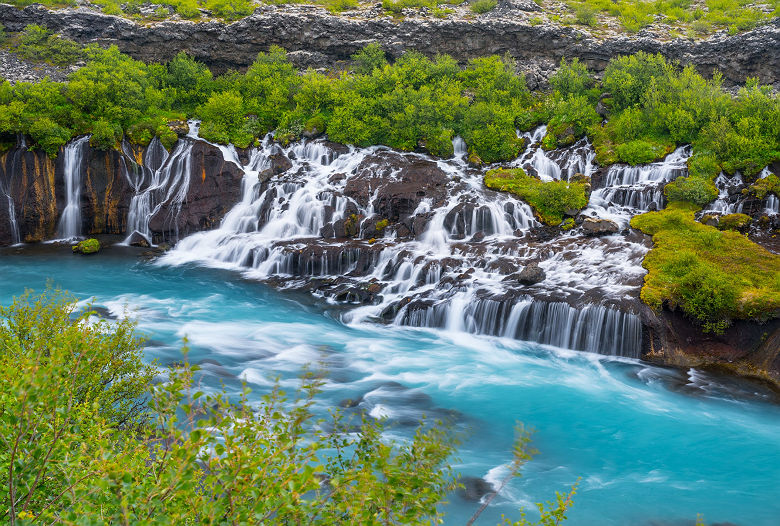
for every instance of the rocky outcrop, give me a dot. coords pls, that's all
(214, 187)
(317, 39)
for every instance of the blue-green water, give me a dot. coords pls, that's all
(652, 445)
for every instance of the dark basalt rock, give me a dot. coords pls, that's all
(599, 227)
(316, 38)
(137, 240)
(401, 181)
(474, 488)
(531, 275)
(215, 186)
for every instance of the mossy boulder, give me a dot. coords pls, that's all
(738, 222)
(88, 246)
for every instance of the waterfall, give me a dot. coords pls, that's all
(453, 271)
(69, 226)
(629, 190)
(593, 328)
(168, 183)
(772, 205)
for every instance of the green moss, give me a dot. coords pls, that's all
(568, 224)
(763, 187)
(738, 222)
(381, 224)
(550, 200)
(713, 276)
(88, 246)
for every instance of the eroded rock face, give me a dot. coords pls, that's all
(399, 182)
(27, 179)
(215, 186)
(318, 39)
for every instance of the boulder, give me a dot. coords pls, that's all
(138, 240)
(473, 488)
(598, 227)
(86, 247)
(531, 274)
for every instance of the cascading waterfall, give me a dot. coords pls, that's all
(69, 226)
(168, 183)
(631, 189)
(593, 328)
(274, 231)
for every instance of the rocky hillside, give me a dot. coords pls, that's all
(316, 38)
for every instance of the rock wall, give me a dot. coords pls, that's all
(317, 38)
(35, 184)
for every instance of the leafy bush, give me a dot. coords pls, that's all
(550, 200)
(763, 187)
(38, 44)
(49, 135)
(85, 433)
(738, 222)
(692, 190)
(104, 135)
(368, 59)
(640, 152)
(224, 119)
(572, 78)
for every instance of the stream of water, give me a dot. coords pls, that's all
(653, 446)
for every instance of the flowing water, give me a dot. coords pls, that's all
(651, 445)
(69, 226)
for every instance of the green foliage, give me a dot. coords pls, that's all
(763, 187)
(482, 6)
(550, 200)
(735, 15)
(104, 135)
(89, 440)
(640, 152)
(572, 78)
(49, 135)
(572, 116)
(224, 118)
(714, 277)
(368, 59)
(38, 44)
(695, 190)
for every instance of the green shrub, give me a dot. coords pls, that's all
(38, 44)
(692, 190)
(482, 6)
(763, 187)
(585, 15)
(368, 59)
(104, 135)
(49, 135)
(641, 152)
(550, 200)
(230, 9)
(572, 78)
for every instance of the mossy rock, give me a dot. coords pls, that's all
(88, 246)
(738, 222)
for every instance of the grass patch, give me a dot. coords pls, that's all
(550, 200)
(713, 276)
(483, 6)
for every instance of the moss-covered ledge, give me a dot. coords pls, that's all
(551, 200)
(714, 277)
